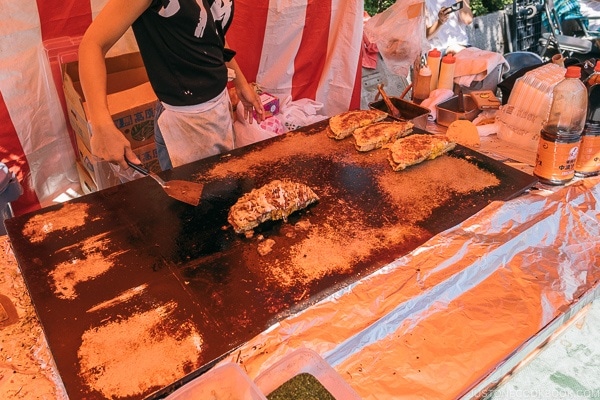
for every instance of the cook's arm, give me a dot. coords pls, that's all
(442, 17)
(250, 100)
(465, 14)
(108, 143)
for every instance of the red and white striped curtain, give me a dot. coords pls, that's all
(303, 48)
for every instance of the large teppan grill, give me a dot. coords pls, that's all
(137, 257)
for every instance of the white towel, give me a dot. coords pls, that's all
(473, 64)
(435, 98)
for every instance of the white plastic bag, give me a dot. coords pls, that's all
(399, 33)
(299, 113)
(292, 115)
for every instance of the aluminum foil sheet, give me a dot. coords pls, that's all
(439, 321)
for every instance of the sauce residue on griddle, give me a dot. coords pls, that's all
(349, 235)
(69, 216)
(87, 261)
(320, 250)
(286, 147)
(420, 189)
(158, 348)
(121, 298)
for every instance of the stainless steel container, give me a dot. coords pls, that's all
(409, 111)
(449, 111)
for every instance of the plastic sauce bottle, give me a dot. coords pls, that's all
(561, 134)
(434, 57)
(447, 72)
(588, 158)
(421, 90)
(594, 78)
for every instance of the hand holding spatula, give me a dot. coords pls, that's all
(187, 192)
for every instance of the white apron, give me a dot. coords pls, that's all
(195, 132)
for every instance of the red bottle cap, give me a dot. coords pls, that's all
(449, 59)
(436, 53)
(597, 67)
(573, 72)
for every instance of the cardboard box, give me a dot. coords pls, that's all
(485, 100)
(149, 157)
(270, 104)
(101, 173)
(87, 183)
(131, 100)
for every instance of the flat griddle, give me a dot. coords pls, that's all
(187, 255)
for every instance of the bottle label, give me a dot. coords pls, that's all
(588, 160)
(594, 79)
(555, 160)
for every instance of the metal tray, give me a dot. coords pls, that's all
(409, 111)
(448, 111)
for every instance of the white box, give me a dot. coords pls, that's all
(227, 381)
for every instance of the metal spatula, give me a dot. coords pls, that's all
(187, 192)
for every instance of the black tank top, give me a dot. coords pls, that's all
(182, 45)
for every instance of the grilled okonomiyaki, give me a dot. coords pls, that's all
(273, 201)
(415, 149)
(343, 125)
(376, 135)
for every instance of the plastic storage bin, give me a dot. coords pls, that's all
(59, 51)
(227, 381)
(305, 360)
(525, 25)
(521, 119)
(10, 190)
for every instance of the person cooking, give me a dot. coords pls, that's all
(446, 22)
(182, 43)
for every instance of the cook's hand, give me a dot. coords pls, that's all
(109, 144)
(444, 14)
(454, 48)
(251, 102)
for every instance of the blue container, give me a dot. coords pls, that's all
(10, 190)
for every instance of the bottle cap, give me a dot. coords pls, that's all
(449, 59)
(436, 53)
(573, 71)
(597, 66)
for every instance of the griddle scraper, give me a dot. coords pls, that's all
(187, 192)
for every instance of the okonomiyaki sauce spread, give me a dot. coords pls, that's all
(69, 216)
(159, 350)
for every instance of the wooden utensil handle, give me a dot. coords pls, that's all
(406, 89)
